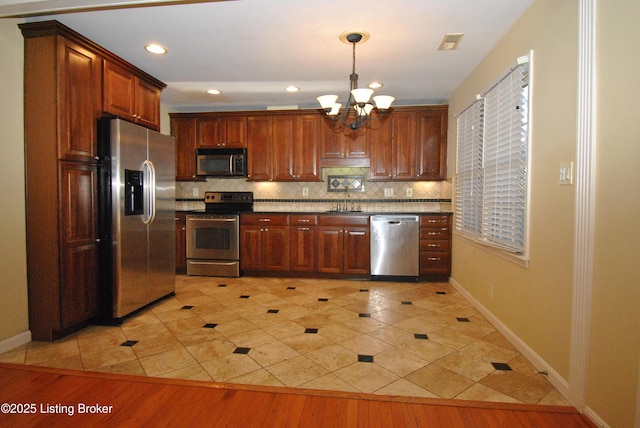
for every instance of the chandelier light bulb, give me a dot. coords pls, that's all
(327, 101)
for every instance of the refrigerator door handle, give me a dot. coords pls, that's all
(150, 192)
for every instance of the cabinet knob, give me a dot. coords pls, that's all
(97, 240)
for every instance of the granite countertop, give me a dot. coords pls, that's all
(368, 213)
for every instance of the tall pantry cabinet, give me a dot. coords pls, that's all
(63, 99)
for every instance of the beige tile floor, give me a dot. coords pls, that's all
(416, 339)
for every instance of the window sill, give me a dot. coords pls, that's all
(518, 259)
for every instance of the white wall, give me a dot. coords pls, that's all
(13, 274)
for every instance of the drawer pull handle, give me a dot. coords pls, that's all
(434, 259)
(264, 219)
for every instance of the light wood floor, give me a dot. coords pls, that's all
(57, 396)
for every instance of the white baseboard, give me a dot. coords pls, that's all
(540, 364)
(15, 341)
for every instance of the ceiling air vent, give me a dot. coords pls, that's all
(450, 41)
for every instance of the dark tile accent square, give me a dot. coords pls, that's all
(364, 315)
(244, 296)
(210, 325)
(463, 319)
(273, 311)
(406, 302)
(420, 336)
(291, 288)
(322, 299)
(501, 366)
(222, 285)
(441, 292)
(364, 290)
(365, 358)
(311, 330)
(187, 307)
(129, 343)
(242, 350)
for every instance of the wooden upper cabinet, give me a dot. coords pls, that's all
(404, 146)
(184, 131)
(283, 140)
(415, 148)
(381, 147)
(131, 97)
(222, 131)
(259, 152)
(431, 143)
(341, 146)
(295, 148)
(79, 82)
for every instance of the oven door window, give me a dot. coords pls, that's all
(212, 238)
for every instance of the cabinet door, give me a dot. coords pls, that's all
(251, 248)
(276, 248)
(181, 242)
(78, 232)
(380, 141)
(147, 104)
(356, 250)
(184, 131)
(306, 154)
(119, 91)
(259, 148)
(330, 249)
(283, 136)
(81, 97)
(431, 137)
(208, 132)
(404, 146)
(354, 143)
(233, 131)
(303, 248)
(331, 138)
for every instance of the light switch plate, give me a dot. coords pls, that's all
(305, 191)
(566, 173)
(409, 192)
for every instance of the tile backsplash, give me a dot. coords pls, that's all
(284, 196)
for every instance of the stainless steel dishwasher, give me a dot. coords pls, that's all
(395, 246)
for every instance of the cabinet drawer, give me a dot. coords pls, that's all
(343, 220)
(434, 220)
(303, 220)
(264, 219)
(427, 245)
(434, 233)
(434, 263)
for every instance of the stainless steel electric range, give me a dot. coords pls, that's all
(213, 236)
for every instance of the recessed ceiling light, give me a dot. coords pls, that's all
(375, 85)
(155, 49)
(292, 88)
(450, 41)
(213, 91)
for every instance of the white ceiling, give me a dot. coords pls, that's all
(252, 49)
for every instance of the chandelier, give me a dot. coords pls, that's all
(358, 109)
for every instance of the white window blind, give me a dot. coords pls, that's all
(491, 184)
(470, 181)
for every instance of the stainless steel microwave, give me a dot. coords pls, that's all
(221, 162)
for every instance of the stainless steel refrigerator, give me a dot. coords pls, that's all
(136, 203)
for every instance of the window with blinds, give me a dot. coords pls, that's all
(491, 164)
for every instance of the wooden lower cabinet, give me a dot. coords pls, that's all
(181, 242)
(343, 244)
(303, 248)
(264, 242)
(435, 246)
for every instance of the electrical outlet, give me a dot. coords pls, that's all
(409, 192)
(388, 191)
(305, 191)
(195, 192)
